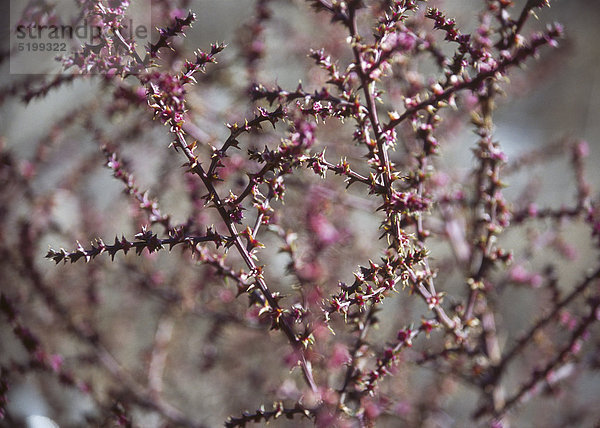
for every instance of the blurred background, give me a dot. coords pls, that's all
(563, 103)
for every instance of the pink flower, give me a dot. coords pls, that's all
(339, 357)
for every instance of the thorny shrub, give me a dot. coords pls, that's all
(315, 259)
